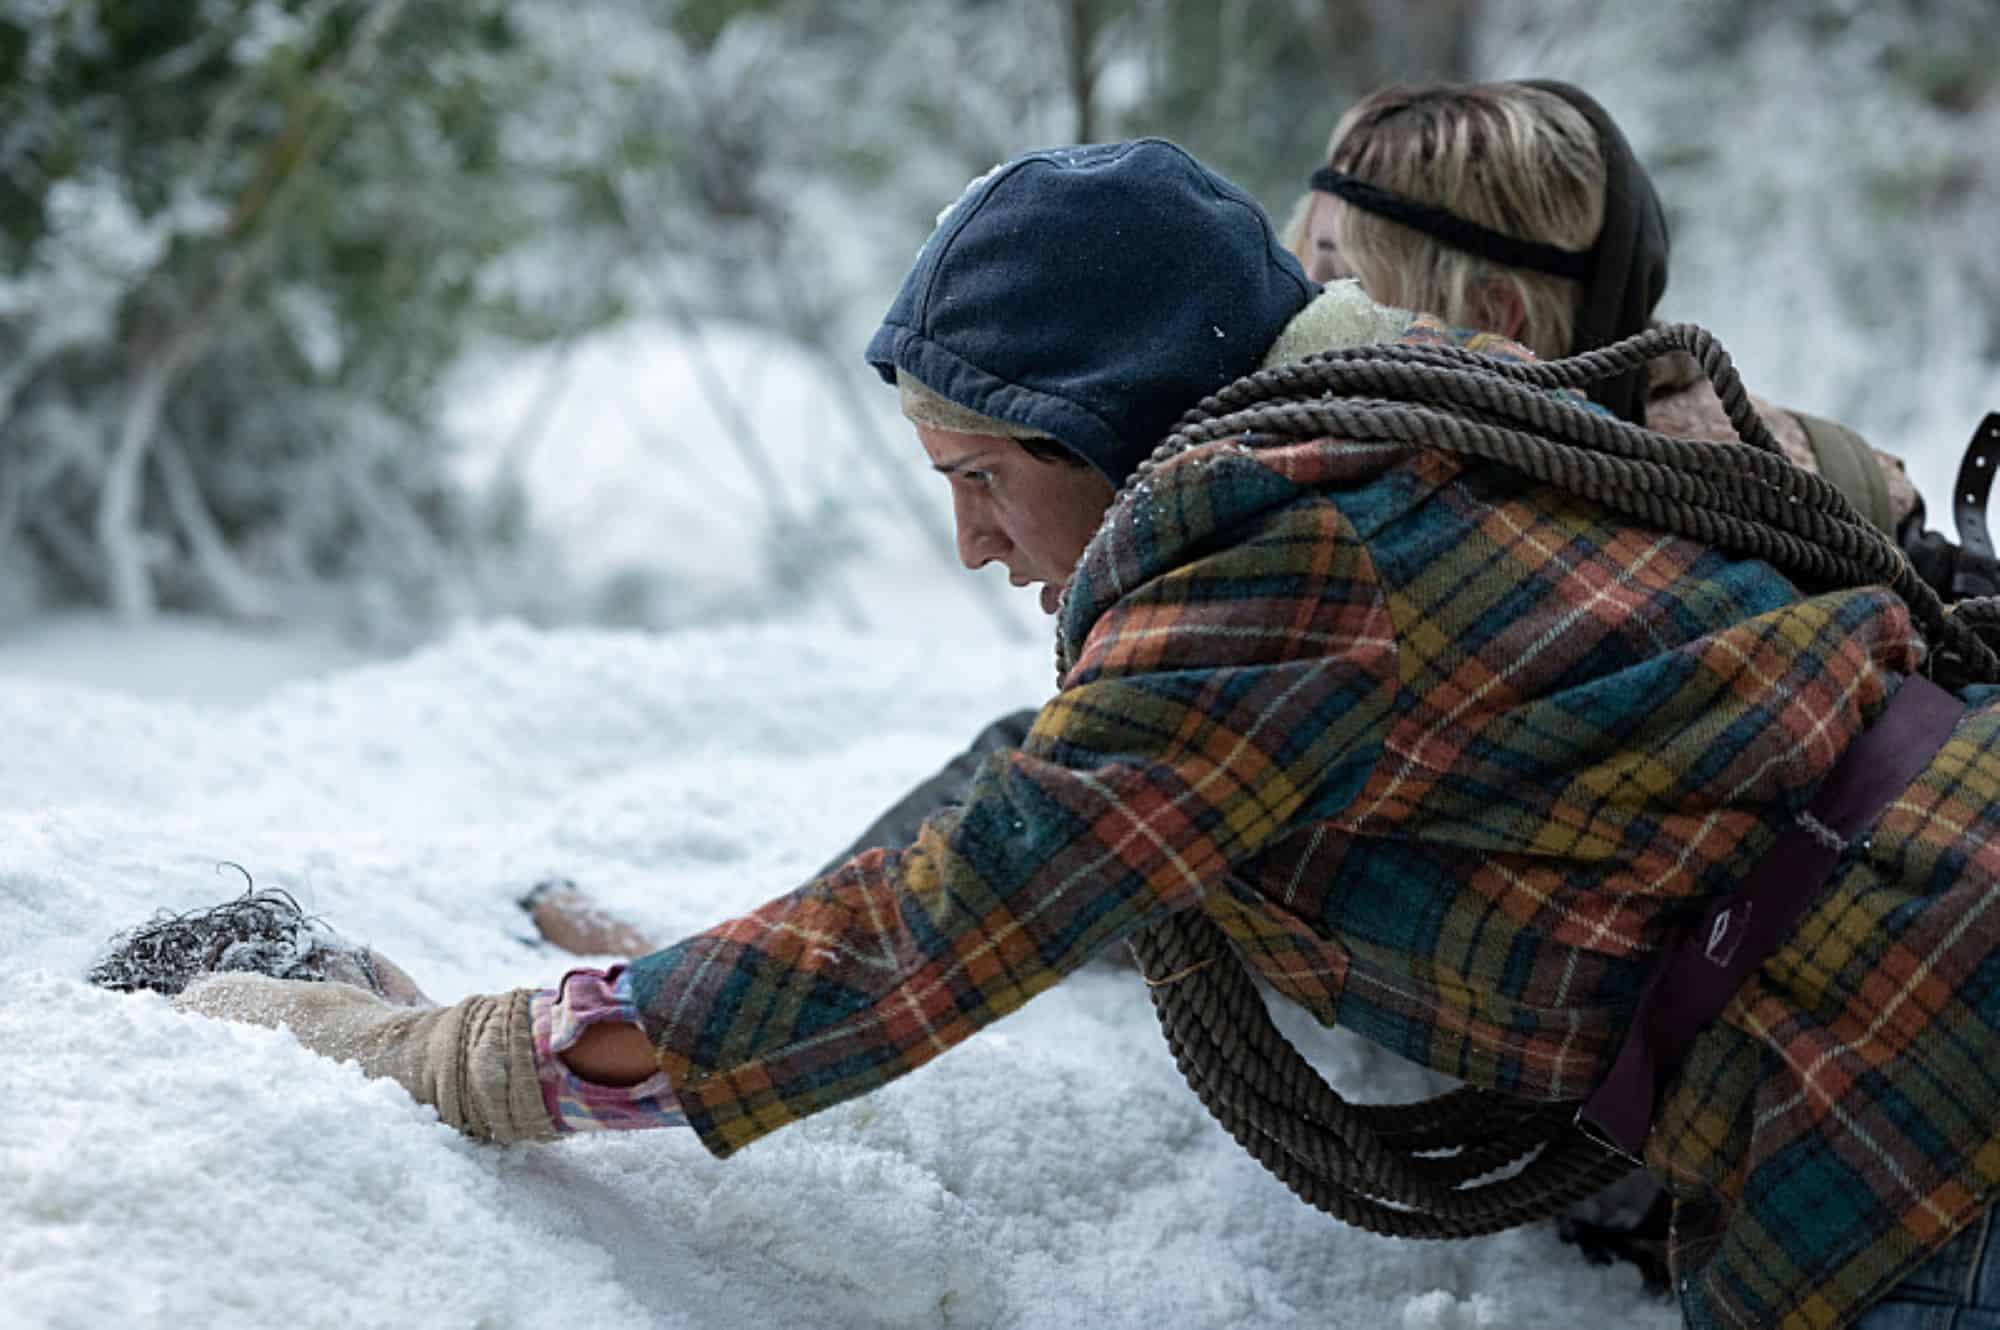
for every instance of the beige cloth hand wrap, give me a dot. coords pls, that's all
(473, 1062)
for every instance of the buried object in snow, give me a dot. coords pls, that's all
(260, 932)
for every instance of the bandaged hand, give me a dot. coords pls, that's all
(368, 969)
(473, 1062)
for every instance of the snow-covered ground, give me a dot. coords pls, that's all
(175, 657)
(161, 1170)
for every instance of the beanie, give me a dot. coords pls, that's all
(1092, 294)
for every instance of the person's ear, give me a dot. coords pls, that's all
(1497, 307)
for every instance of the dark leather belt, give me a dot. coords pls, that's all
(1693, 980)
(1968, 506)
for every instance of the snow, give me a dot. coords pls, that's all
(159, 1170)
(179, 656)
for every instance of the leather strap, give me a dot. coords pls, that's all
(1694, 979)
(1975, 480)
(1846, 460)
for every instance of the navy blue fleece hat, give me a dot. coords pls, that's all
(1092, 294)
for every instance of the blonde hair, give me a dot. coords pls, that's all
(1512, 158)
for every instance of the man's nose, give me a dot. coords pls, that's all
(980, 540)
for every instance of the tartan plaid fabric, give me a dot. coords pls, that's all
(1840, 1121)
(1449, 755)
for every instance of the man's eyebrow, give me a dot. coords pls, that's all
(958, 464)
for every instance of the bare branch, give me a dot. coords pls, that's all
(736, 422)
(1081, 23)
(12, 486)
(129, 583)
(71, 549)
(235, 589)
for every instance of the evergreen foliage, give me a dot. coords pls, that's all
(240, 242)
(243, 243)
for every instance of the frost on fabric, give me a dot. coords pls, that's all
(963, 194)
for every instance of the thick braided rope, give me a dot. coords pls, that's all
(1506, 1162)
(1472, 1161)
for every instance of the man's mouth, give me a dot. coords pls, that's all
(1051, 594)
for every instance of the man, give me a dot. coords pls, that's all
(1452, 755)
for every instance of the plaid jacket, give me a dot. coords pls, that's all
(1449, 755)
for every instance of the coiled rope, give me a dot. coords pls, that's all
(1474, 1161)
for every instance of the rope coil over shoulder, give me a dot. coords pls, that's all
(1474, 1161)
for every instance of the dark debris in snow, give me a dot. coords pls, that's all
(260, 932)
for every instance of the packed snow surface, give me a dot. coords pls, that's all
(163, 1170)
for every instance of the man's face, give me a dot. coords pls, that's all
(1322, 251)
(1033, 516)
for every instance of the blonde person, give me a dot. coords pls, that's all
(1519, 208)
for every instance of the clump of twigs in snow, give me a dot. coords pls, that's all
(260, 932)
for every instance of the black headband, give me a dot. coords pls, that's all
(1629, 273)
(1453, 230)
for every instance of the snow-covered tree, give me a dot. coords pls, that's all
(243, 243)
(241, 240)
